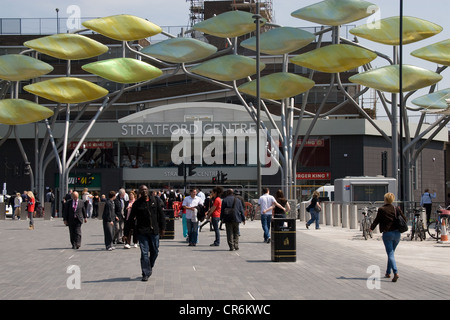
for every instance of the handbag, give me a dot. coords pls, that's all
(400, 222)
(318, 208)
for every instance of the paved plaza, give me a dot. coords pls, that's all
(332, 263)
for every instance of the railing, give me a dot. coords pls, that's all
(48, 26)
(348, 215)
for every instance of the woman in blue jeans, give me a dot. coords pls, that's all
(315, 216)
(391, 236)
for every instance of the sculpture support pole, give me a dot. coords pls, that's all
(258, 102)
(394, 131)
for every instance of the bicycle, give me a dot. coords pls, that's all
(367, 221)
(435, 226)
(250, 211)
(417, 227)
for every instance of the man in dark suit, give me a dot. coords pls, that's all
(73, 215)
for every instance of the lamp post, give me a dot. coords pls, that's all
(57, 20)
(401, 194)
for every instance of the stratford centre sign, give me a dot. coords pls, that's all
(168, 129)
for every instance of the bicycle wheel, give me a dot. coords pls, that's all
(364, 228)
(369, 223)
(434, 230)
(420, 231)
(413, 230)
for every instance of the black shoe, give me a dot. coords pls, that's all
(144, 278)
(213, 245)
(307, 226)
(268, 240)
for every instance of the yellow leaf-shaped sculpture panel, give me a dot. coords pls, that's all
(123, 27)
(336, 12)
(228, 25)
(180, 50)
(228, 68)
(335, 58)
(17, 67)
(67, 90)
(67, 46)
(387, 78)
(437, 53)
(19, 111)
(434, 100)
(278, 86)
(123, 70)
(388, 30)
(280, 40)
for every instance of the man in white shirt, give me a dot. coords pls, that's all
(265, 202)
(190, 203)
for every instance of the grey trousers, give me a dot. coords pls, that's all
(232, 234)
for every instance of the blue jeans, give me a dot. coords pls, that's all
(215, 224)
(265, 223)
(314, 217)
(192, 228)
(391, 240)
(149, 244)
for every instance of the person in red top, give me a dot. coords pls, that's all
(30, 208)
(214, 213)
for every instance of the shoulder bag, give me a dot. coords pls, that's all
(400, 222)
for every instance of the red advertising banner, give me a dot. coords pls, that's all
(93, 144)
(313, 176)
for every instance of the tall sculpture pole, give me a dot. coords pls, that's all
(258, 98)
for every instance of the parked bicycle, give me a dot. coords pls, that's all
(250, 211)
(417, 226)
(434, 228)
(367, 221)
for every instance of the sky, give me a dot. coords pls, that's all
(176, 13)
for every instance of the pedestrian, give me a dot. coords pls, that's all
(95, 201)
(17, 205)
(108, 217)
(265, 202)
(74, 214)
(150, 225)
(31, 202)
(119, 204)
(391, 236)
(313, 210)
(427, 201)
(279, 212)
(232, 214)
(190, 203)
(87, 198)
(129, 224)
(207, 205)
(213, 213)
(50, 197)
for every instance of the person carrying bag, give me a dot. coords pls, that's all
(232, 213)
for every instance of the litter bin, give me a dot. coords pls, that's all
(170, 224)
(283, 242)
